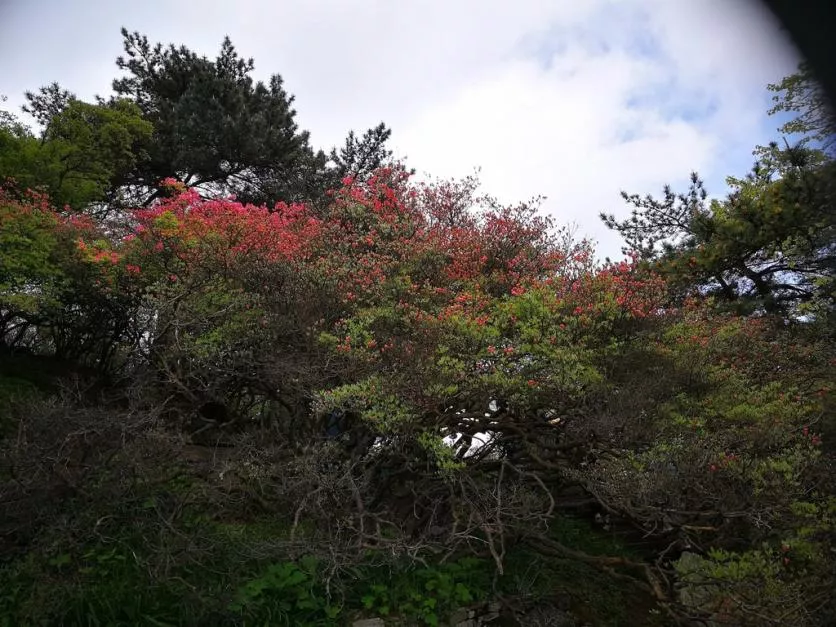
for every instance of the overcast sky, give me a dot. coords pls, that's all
(571, 99)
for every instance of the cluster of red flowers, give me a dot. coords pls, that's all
(429, 247)
(182, 222)
(376, 229)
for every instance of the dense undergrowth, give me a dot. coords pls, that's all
(154, 533)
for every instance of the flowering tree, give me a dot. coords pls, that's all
(65, 289)
(376, 342)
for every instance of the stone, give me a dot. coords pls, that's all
(369, 622)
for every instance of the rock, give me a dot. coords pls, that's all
(369, 622)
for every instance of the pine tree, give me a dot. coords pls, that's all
(215, 128)
(770, 244)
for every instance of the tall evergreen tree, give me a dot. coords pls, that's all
(358, 158)
(215, 128)
(47, 102)
(770, 244)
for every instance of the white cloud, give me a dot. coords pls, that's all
(563, 124)
(573, 100)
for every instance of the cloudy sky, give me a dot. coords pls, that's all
(574, 100)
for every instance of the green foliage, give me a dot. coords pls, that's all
(768, 245)
(747, 586)
(113, 585)
(289, 593)
(99, 145)
(696, 410)
(58, 293)
(28, 266)
(213, 124)
(426, 594)
(178, 114)
(360, 157)
(381, 409)
(103, 586)
(801, 93)
(218, 129)
(286, 594)
(442, 454)
(85, 152)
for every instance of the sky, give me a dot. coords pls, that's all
(571, 100)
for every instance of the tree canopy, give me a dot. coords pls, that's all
(770, 244)
(84, 154)
(176, 114)
(343, 393)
